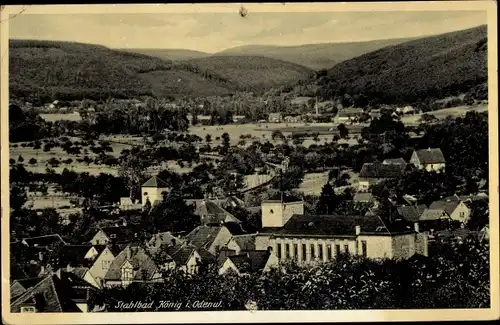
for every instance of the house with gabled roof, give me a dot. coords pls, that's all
(153, 190)
(319, 238)
(164, 238)
(132, 264)
(211, 213)
(44, 241)
(113, 235)
(372, 173)
(54, 293)
(246, 262)
(453, 209)
(410, 213)
(430, 159)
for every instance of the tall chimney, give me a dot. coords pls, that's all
(358, 230)
(128, 252)
(417, 227)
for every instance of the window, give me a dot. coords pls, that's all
(320, 252)
(272, 211)
(304, 252)
(295, 251)
(97, 242)
(313, 252)
(346, 249)
(278, 251)
(127, 274)
(363, 248)
(145, 193)
(337, 250)
(329, 255)
(28, 309)
(287, 250)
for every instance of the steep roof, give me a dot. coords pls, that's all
(447, 205)
(50, 295)
(154, 181)
(20, 286)
(430, 156)
(44, 241)
(250, 261)
(245, 242)
(337, 225)
(163, 238)
(138, 258)
(203, 236)
(429, 214)
(394, 161)
(235, 228)
(119, 233)
(411, 212)
(212, 213)
(379, 170)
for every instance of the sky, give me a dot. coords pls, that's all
(213, 32)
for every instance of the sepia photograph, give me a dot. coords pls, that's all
(184, 160)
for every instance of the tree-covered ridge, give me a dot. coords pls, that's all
(253, 72)
(63, 70)
(415, 72)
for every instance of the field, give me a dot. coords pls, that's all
(445, 112)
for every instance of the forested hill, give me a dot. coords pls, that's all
(253, 72)
(417, 72)
(44, 70)
(314, 56)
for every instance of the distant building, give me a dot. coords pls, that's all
(452, 209)
(372, 173)
(44, 241)
(211, 213)
(410, 213)
(238, 118)
(113, 235)
(153, 190)
(292, 119)
(375, 113)
(320, 238)
(394, 161)
(431, 159)
(348, 114)
(274, 118)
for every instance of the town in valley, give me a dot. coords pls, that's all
(341, 175)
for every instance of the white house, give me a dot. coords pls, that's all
(431, 159)
(447, 209)
(153, 190)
